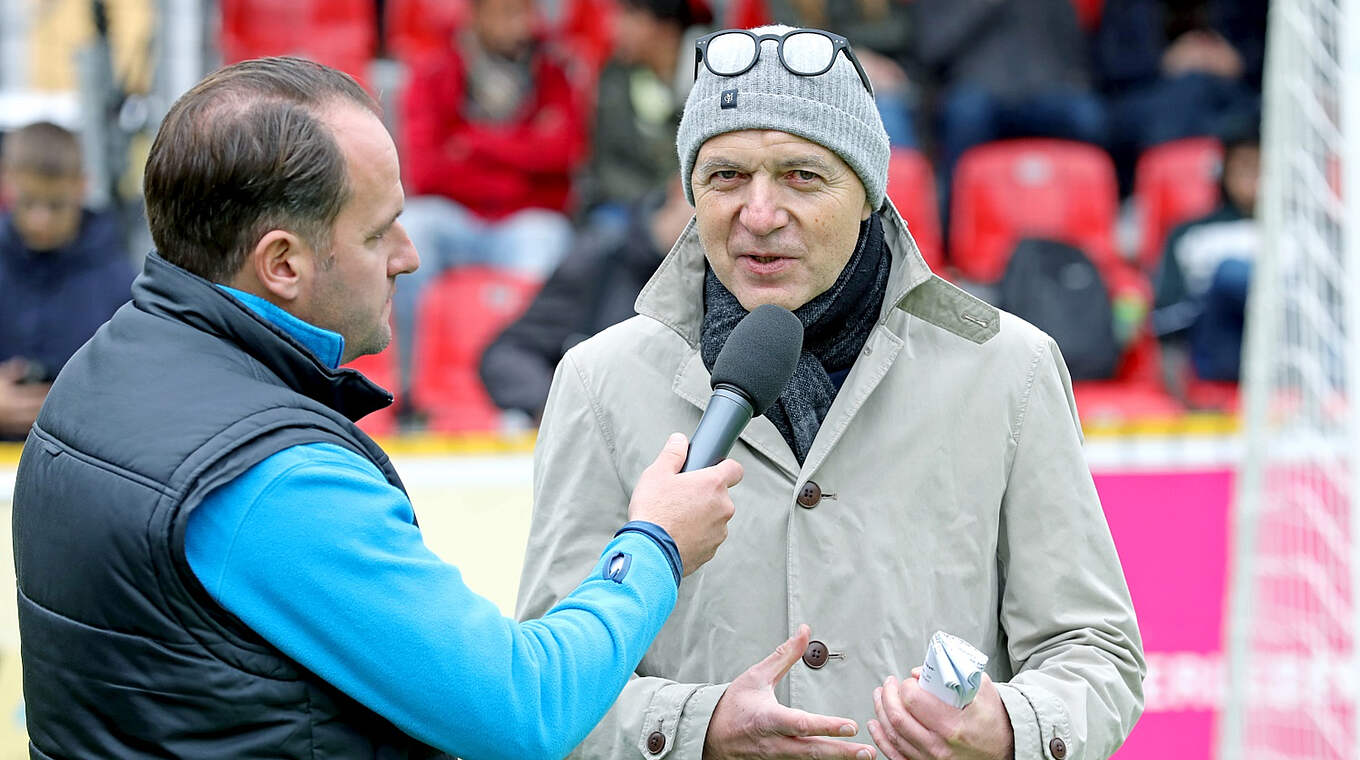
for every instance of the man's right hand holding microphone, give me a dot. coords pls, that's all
(693, 507)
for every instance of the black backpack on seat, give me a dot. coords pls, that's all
(1055, 287)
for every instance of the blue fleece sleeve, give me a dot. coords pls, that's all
(316, 552)
(662, 538)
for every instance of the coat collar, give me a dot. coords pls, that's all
(168, 291)
(674, 297)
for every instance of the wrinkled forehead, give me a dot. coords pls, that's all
(768, 146)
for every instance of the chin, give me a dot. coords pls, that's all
(750, 301)
(378, 345)
(373, 344)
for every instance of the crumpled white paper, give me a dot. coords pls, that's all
(953, 669)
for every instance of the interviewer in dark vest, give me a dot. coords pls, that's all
(213, 561)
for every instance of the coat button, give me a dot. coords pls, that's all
(810, 495)
(656, 742)
(815, 655)
(1058, 748)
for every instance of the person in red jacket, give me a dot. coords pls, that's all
(493, 132)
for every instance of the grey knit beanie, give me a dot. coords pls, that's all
(833, 110)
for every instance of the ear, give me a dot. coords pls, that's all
(281, 265)
(867, 210)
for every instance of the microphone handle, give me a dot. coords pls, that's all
(726, 416)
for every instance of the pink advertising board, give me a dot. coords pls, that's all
(1172, 532)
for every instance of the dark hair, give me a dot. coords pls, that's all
(245, 152)
(42, 148)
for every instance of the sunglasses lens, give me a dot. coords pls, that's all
(728, 54)
(807, 53)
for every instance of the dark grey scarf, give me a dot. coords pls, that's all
(836, 324)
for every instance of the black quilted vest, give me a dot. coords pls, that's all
(124, 654)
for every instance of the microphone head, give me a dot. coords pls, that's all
(760, 355)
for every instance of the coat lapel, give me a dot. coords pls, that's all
(875, 359)
(692, 383)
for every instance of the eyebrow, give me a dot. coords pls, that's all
(808, 161)
(387, 224)
(719, 164)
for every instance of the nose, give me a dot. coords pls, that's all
(406, 259)
(762, 213)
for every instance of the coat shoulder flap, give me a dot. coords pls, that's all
(951, 309)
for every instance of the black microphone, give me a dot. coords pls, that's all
(751, 371)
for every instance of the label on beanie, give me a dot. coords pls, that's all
(729, 98)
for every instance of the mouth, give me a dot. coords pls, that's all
(764, 263)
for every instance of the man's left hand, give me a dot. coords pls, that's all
(913, 724)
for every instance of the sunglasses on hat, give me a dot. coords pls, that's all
(803, 52)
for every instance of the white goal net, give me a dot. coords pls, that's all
(1292, 657)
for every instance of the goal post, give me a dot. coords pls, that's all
(1293, 669)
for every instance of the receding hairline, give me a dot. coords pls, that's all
(237, 100)
(236, 89)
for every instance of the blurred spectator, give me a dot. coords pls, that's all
(1006, 68)
(638, 103)
(493, 132)
(594, 287)
(63, 269)
(880, 31)
(1202, 285)
(1175, 68)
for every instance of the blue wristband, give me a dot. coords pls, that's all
(662, 539)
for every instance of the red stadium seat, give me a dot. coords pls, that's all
(419, 28)
(1066, 191)
(1004, 191)
(382, 369)
(1213, 395)
(460, 313)
(338, 33)
(1105, 401)
(911, 186)
(1174, 182)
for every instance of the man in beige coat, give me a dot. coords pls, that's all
(923, 470)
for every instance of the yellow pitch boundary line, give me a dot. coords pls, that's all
(410, 445)
(467, 444)
(484, 444)
(1193, 424)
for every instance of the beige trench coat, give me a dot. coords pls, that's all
(954, 496)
